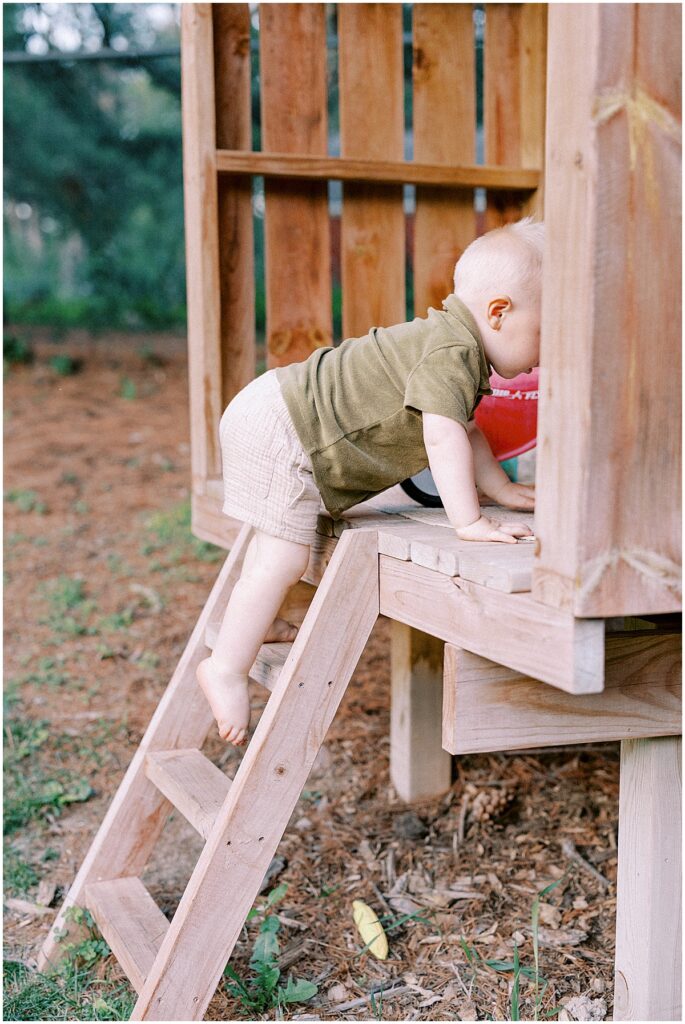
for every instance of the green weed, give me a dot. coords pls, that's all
(169, 532)
(49, 672)
(16, 350)
(127, 388)
(66, 595)
(262, 991)
(26, 500)
(18, 875)
(64, 364)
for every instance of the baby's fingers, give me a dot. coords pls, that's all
(516, 529)
(501, 536)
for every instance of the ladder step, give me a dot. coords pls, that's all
(195, 786)
(268, 663)
(131, 923)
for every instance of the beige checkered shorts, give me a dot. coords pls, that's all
(268, 479)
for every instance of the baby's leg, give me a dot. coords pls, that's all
(272, 565)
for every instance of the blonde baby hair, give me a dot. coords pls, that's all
(507, 259)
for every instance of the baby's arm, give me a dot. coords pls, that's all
(451, 462)
(491, 478)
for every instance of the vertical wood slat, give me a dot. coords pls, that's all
(371, 127)
(236, 236)
(608, 515)
(202, 241)
(514, 100)
(444, 133)
(297, 232)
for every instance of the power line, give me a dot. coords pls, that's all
(106, 53)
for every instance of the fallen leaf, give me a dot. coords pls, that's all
(370, 929)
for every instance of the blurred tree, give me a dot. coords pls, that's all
(95, 147)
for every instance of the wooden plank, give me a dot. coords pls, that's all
(296, 230)
(514, 98)
(608, 518)
(138, 812)
(208, 522)
(371, 127)
(266, 788)
(195, 786)
(236, 241)
(488, 707)
(386, 172)
(511, 629)
(419, 767)
(202, 242)
(131, 924)
(505, 567)
(444, 82)
(648, 967)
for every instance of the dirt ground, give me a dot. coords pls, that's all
(103, 584)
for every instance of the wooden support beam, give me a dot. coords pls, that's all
(489, 707)
(202, 241)
(608, 518)
(648, 968)
(512, 629)
(419, 767)
(380, 172)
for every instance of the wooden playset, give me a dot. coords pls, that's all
(494, 647)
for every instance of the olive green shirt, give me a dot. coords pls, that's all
(357, 407)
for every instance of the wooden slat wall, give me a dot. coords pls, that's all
(202, 242)
(514, 100)
(236, 242)
(371, 127)
(444, 133)
(608, 516)
(297, 238)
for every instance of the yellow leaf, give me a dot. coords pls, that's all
(370, 929)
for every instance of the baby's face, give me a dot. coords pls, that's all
(515, 347)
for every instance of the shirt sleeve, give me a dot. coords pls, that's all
(443, 384)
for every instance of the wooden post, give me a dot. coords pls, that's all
(202, 242)
(419, 767)
(648, 912)
(608, 516)
(296, 228)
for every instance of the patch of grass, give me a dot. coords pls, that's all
(49, 672)
(69, 606)
(116, 621)
(64, 364)
(169, 533)
(75, 990)
(29, 791)
(16, 350)
(27, 500)
(18, 875)
(262, 991)
(117, 566)
(81, 507)
(127, 388)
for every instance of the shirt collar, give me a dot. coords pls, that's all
(460, 311)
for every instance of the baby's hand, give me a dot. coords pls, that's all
(519, 496)
(492, 530)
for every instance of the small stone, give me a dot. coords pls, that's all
(409, 826)
(337, 994)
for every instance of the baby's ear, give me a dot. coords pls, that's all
(497, 308)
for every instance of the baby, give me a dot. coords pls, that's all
(351, 421)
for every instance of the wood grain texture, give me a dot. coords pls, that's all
(130, 922)
(511, 629)
(371, 127)
(444, 103)
(266, 787)
(488, 707)
(388, 172)
(296, 228)
(236, 242)
(419, 768)
(195, 786)
(608, 516)
(138, 812)
(202, 242)
(514, 99)
(648, 966)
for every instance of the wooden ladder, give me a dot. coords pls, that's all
(176, 966)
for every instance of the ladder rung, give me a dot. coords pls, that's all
(131, 923)
(195, 786)
(268, 663)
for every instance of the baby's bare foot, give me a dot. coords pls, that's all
(229, 700)
(280, 631)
